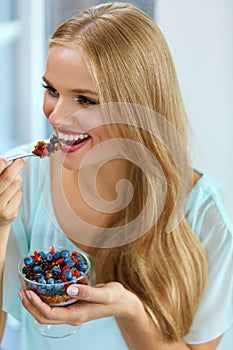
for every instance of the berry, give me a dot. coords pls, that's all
(68, 274)
(37, 268)
(78, 257)
(42, 280)
(53, 270)
(26, 270)
(59, 285)
(65, 254)
(50, 147)
(38, 277)
(28, 261)
(49, 257)
(50, 281)
(73, 279)
(82, 267)
(56, 255)
(69, 262)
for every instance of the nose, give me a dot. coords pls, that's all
(60, 113)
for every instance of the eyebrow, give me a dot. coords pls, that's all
(79, 91)
(84, 91)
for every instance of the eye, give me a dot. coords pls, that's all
(85, 101)
(53, 92)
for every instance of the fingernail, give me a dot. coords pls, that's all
(20, 295)
(28, 294)
(72, 291)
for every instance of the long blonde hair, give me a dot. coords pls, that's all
(130, 62)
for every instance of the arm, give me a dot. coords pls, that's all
(10, 198)
(141, 333)
(105, 300)
(2, 325)
(4, 233)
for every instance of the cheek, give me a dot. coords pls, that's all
(101, 134)
(48, 106)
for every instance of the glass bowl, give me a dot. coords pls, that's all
(49, 272)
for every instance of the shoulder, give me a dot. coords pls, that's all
(209, 213)
(209, 207)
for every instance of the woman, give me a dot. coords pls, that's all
(110, 86)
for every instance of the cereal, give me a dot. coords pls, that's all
(43, 149)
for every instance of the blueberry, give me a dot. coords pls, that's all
(50, 284)
(69, 262)
(68, 274)
(28, 261)
(59, 285)
(56, 270)
(82, 266)
(56, 255)
(53, 139)
(50, 281)
(39, 276)
(65, 254)
(32, 285)
(60, 281)
(78, 257)
(37, 269)
(42, 254)
(50, 147)
(42, 280)
(49, 257)
(73, 279)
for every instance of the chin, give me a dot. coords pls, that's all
(69, 161)
(71, 164)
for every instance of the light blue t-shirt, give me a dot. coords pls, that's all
(36, 226)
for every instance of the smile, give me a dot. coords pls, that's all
(70, 142)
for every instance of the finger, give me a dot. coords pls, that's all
(102, 294)
(10, 211)
(75, 314)
(39, 310)
(9, 174)
(45, 314)
(10, 192)
(3, 164)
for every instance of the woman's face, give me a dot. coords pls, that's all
(69, 94)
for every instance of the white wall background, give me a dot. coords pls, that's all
(199, 33)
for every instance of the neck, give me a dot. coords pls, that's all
(91, 180)
(83, 197)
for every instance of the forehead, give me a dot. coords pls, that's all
(67, 65)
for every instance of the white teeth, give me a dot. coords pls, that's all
(65, 137)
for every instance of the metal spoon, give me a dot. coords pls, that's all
(12, 158)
